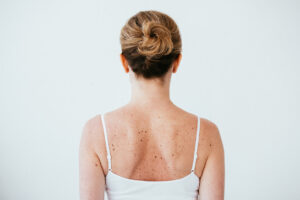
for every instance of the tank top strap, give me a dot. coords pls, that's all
(196, 143)
(106, 142)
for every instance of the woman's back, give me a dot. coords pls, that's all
(155, 146)
(152, 154)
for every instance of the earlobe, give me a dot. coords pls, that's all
(176, 63)
(124, 63)
(175, 67)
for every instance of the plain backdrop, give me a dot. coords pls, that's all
(60, 66)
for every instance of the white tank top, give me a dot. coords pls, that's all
(121, 188)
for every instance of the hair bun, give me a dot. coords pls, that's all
(156, 41)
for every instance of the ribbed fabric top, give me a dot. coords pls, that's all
(121, 188)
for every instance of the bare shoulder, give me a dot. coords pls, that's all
(90, 132)
(211, 133)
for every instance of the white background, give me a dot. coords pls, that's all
(59, 66)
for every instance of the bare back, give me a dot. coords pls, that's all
(155, 146)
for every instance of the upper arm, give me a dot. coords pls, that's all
(212, 179)
(91, 177)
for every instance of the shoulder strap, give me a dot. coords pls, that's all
(196, 143)
(106, 142)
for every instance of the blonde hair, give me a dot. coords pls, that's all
(150, 41)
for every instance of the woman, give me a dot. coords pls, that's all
(150, 148)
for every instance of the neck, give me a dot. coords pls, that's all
(150, 93)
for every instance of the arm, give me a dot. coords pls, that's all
(91, 177)
(212, 180)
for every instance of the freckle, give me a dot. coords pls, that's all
(172, 154)
(145, 131)
(155, 156)
(113, 149)
(96, 164)
(161, 158)
(141, 140)
(210, 145)
(112, 144)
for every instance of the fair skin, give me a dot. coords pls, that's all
(150, 138)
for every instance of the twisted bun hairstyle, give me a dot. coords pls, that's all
(150, 42)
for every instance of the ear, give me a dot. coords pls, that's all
(176, 63)
(124, 63)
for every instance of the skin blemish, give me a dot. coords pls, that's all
(96, 164)
(161, 158)
(113, 149)
(210, 145)
(141, 140)
(172, 154)
(155, 156)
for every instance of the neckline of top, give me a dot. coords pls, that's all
(144, 181)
